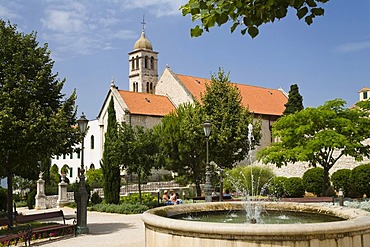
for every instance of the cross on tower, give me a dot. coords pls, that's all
(143, 23)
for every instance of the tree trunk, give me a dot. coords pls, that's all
(325, 182)
(139, 184)
(10, 201)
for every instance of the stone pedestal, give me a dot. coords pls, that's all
(62, 193)
(40, 196)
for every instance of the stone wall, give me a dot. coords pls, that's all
(51, 201)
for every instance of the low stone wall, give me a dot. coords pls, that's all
(51, 201)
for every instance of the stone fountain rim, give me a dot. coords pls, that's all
(356, 220)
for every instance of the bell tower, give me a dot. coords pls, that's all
(143, 65)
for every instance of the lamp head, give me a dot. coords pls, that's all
(82, 123)
(207, 127)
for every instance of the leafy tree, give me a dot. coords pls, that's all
(223, 107)
(35, 118)
(65, 169)
(54, 175)
(277, 186)
(313, 180)
(110, 163)
(320, 136)
(295, 101)
(139, 151)
(22, 184)
(293, 187)
(248, 14)
(181, 135)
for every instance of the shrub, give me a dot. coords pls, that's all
(341, 179)
(31, 199)
(3, 199)
(119, 209)
(276, 186)
(147, 199)
(360, 179)
(247, 179)
(95, 198)
(313, 180)
(293, 187)
(51, 190)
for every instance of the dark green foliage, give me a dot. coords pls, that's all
(248, 179)
(320, 136)
(3, 199)
(295, 101)
(276, 187)
(51, 190)
(31, 199)
(360, 179)
(35, 116)
(313, 180)
(95, 198)
(248, 14)
(54, 175)
(75, 188)
(341, 180)
(94, 177)
(293, 187)
(111, 161)
(119, 209)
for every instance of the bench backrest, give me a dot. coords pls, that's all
(34, 217)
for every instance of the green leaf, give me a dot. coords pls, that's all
(309, 19)
(196, 32)
(253, 31)
(317, 11)
(234, 26)
(221, 19)
(195, 11)
(311, 3)
(302, 12)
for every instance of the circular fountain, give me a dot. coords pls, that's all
(163, 231)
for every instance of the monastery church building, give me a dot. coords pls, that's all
(150, 98)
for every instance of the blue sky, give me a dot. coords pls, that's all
(90, 41)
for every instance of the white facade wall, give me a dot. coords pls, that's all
(92, 153)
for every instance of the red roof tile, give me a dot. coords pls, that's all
(146, 104)
(258, 99)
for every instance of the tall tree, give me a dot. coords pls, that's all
(248, 14)
(182, 142)
(223, 107)
(110, 163)
(35, 118)
(295, 100)
(139, 151)
(320, 136)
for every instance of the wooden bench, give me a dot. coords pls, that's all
(214, 198)
(27, 234)
(309, 199)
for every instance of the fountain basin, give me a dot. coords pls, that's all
(162, 231)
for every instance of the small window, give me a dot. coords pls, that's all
(147, 87)
(152, 62)
(365, 95)
(137, 62)
(151, 87)
(92, 166)
(71, 155)
(64, 156)
(79, 155)
(92, 142)
(133, 64)
(70, 172)
(146, 62)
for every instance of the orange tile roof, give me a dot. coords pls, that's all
(258, 99)
(146, 104)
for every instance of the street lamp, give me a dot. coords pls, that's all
(82, 195)
(207, 127)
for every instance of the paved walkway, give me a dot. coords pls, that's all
(105, 230)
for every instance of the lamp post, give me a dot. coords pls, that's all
(207, 127)
(82, 195)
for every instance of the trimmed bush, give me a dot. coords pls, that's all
(147, 199)
(313, 180)
(276, 186)
(95, 198)
(360, 179)
(31, 199)
(341, 179)
(120, 209)
(242, 178)
(3, 199)
(293, 187)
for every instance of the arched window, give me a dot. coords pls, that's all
(137, 62)
(92, 144)
(147, 87)
(152, 62)
(151, 87)
(136, 87)
(92, 166)
(146, 62)
(132, 63)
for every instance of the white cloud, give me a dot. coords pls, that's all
(354, 47)
(7, 13)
